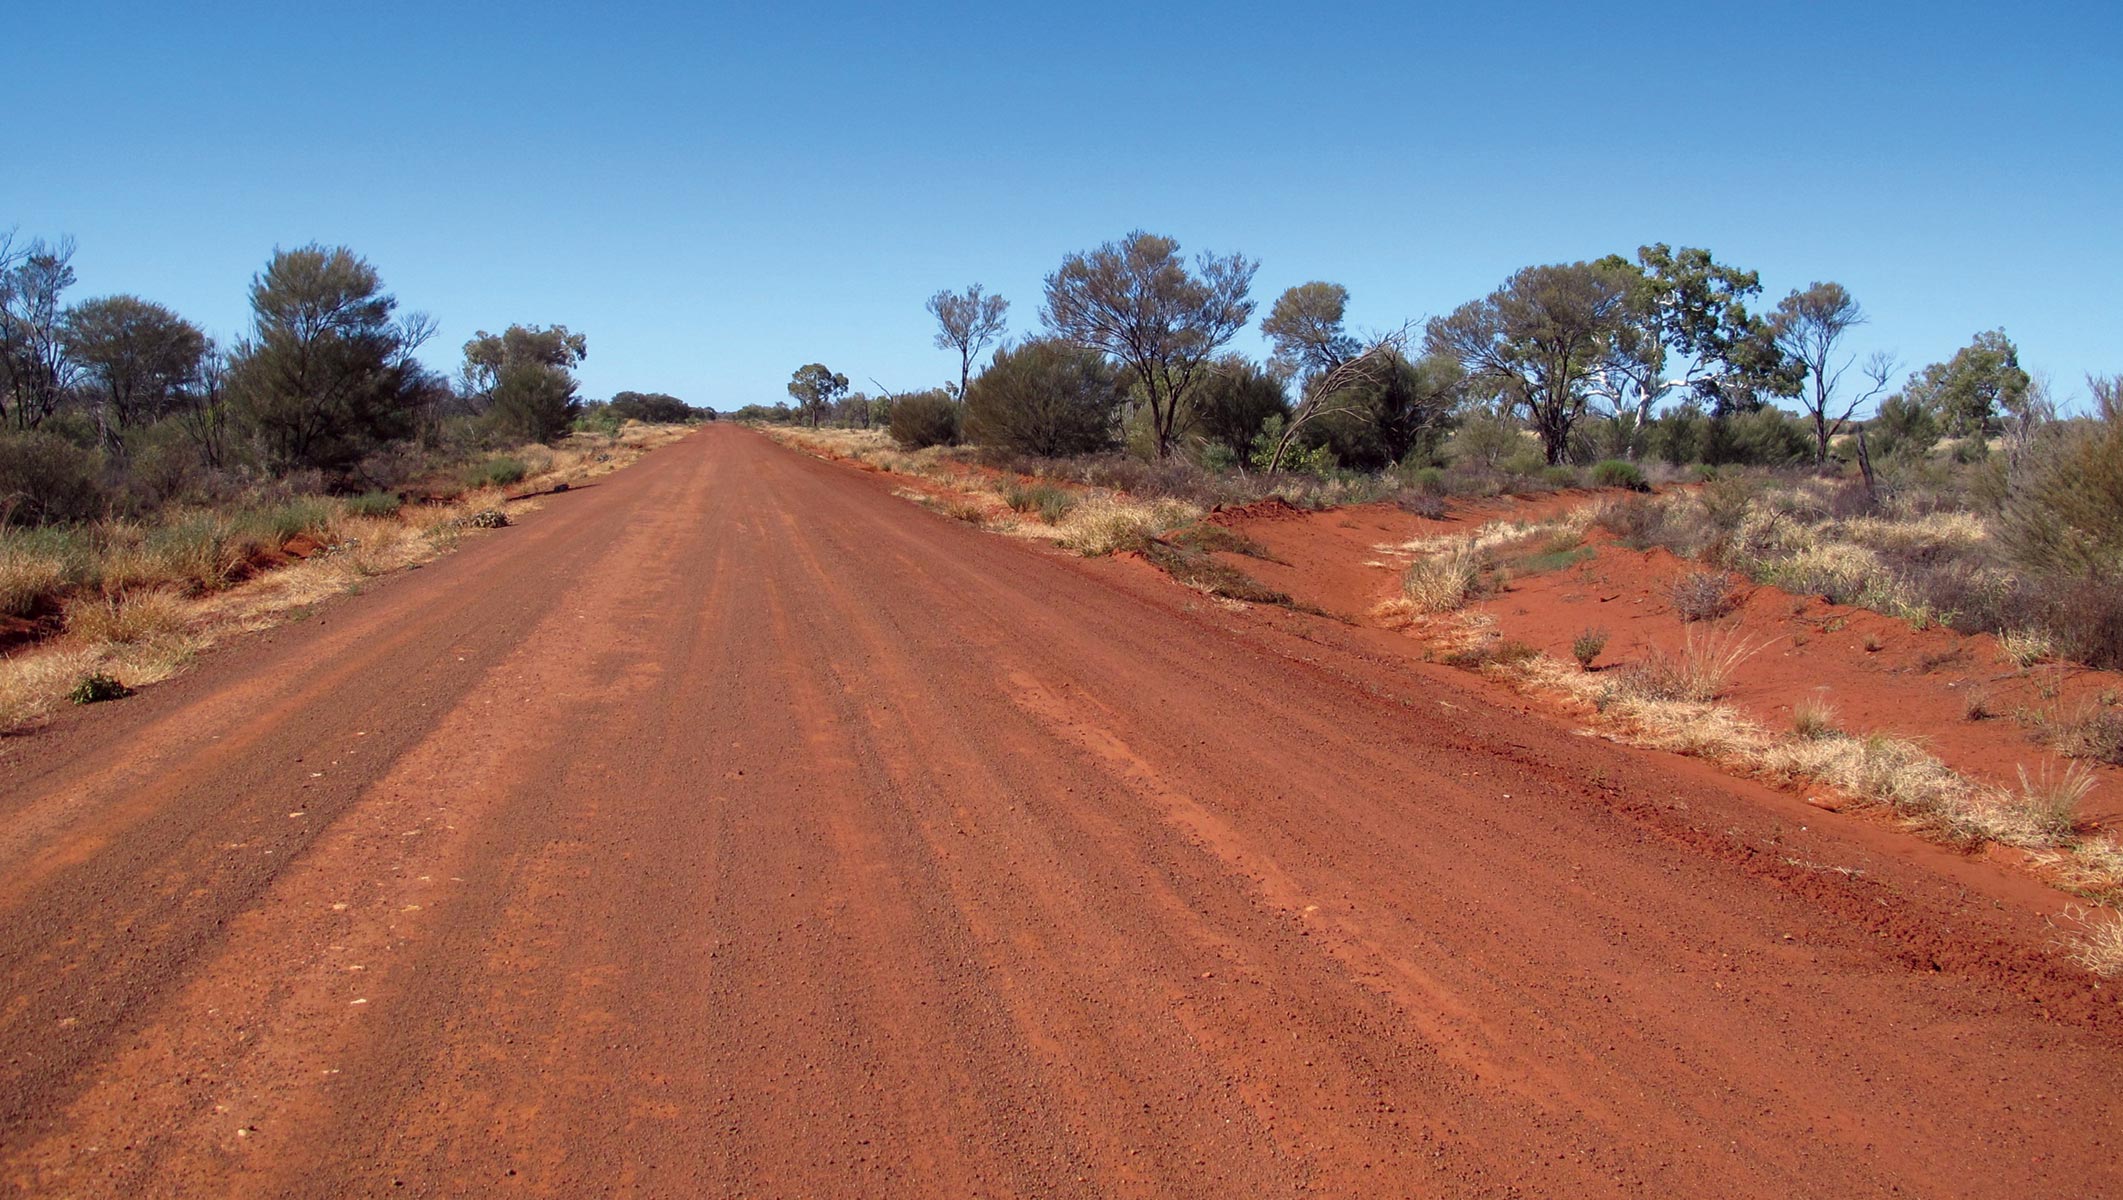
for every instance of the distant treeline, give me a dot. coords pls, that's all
(1659, 357)
(116, 404)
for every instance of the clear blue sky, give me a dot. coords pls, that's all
(717, 195)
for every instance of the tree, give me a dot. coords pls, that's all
(654, 408)
(1971, 392)
(1810, 327)
(815, 388)
(1305, 326)
(1538, 342)
(966, 322)
(1136, 301)
(327, 374)
(1330, 365)
(1046, 397)
(35, 371)
(1685, 304)
(1235, 402)
(520, 379)
(1406, 404)
(136, 359)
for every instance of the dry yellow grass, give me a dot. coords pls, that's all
(1443, 581)
(1105, 524)
(1897, 773)
(140, 630)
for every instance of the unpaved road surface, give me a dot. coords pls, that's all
(732, 828)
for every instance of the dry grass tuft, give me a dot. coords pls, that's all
(2098, 946)
(123, 620)
(2052, 798)
(1107, 524)
(1702, 595)
(1444, 581)
(1814, 718)
(1700, 671)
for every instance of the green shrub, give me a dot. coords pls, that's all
(1044, 397)
(46, 479)
(1614, 473)
(922, 419)
(1559, 476)
(374, 504)
(1233, 405)
(96, 687)
(499, 471)
(1045, 499)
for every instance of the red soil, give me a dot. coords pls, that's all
(1915, 684)
(735, 829)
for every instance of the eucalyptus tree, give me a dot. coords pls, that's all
(1136, 301)
(521, 380)
(1810, 327)
(966, 322)
(1537, 344)
(1689, 333)
(1972, 393)
(815, 387)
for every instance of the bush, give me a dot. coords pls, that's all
(374, 504)
(1614, 473)
(1049, 501)
(96, 687)
(653, 408)
(46, 479)
(922, 419)
(1586, 647)
(502, 470)
(1045, 397)
(1702, 595)
(1234, 404)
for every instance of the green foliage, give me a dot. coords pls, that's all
(1587, 646)
(1903, 428)
(1136, 301)
(327, 376)
(1969, 393)
(1397, 413)
(1678, 437)
(814, 388)
(45, 479)
(1535, 343)
(1051, 503)
(1045, 397)
(652, 408)
(1234, 403)
(1493, 443)
(1314, 459)
(1766, 437)
(966, 322)
(137, 358)
(2063, 513)
(374, 504)
(502, 470)
(1617, 474)
(521, 379)
(924, 419)
(97, 687)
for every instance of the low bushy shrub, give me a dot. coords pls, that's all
(502, 470)
(1614, 473)
(923, 419)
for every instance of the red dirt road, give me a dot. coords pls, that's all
(731, 828)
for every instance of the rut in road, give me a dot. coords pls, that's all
(733, 828)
